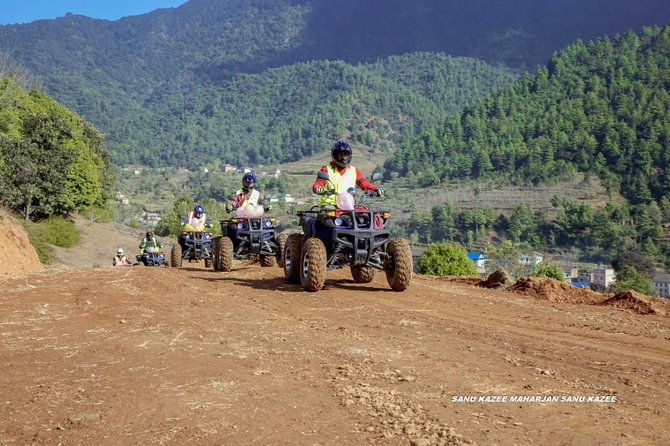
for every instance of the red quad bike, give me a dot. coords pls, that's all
(334, 238)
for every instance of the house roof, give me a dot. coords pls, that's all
(579, 284)
(661, 277)
(475, 256)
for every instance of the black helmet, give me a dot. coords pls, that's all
(198, 211)
(149, 235)
(249, 181)
(341, 153)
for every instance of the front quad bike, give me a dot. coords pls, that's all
(245, 238)
(192, 246)
(334, 238)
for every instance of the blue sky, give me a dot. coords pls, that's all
(25, 11)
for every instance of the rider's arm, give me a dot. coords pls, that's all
(363, 183)
(320, 182)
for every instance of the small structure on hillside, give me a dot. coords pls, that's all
(478, 259)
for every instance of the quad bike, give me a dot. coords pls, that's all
(246, 238)
(356, 237)
(192, 246)
(152, 257)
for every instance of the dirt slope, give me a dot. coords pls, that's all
(17, 255)
(188, 356)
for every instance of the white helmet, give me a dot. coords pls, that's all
(119, 251)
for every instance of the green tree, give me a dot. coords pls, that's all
(629, 278)
(635, 260)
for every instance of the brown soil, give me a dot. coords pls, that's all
(137, 355)
(639, 303)
(17, 255)
(555, 291)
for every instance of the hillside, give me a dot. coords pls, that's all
(601, 108)
(164, 82)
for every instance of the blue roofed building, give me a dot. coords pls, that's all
(478, 259)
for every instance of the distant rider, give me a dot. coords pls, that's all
(342, 175)
(120, 259)
(248, 195)
(150, 241)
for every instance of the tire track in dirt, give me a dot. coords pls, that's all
(476, 321)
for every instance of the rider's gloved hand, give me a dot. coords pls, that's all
(319, 190)
(229, 207)
(380, 192)
(268, 207)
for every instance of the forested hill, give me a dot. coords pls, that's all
(149, 81)
(602, 108)
(286, 113)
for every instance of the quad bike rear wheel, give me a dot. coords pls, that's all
(399, 264)
(313, 264)
(225, 254)
(362, 273)
(281, 243)
(291, 258)
(175, 256)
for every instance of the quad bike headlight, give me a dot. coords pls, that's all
(240, 225)
(268, 224)
(338, 221)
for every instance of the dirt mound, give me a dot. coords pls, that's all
(497, 279)
(555, 291)
(17, 254)
(638, 303)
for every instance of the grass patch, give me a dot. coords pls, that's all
(54, 231)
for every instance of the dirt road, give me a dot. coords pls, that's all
(165, 356)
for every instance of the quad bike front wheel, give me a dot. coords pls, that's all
(362, 273)
(225, 254)
(291, 258)
(175, 256)
(399, 264)
(313, 265)
(281, 244)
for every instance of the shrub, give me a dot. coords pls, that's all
(446, 259)
(56, 231)
(550, 271)
(60, 232)
(38, 238)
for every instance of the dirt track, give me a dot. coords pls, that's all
(164, 356)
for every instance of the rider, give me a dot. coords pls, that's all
(150, 241)
(196, 219)
(120, 258)
(248, 194)
(342, 175)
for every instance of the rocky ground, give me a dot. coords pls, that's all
(91, 354)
